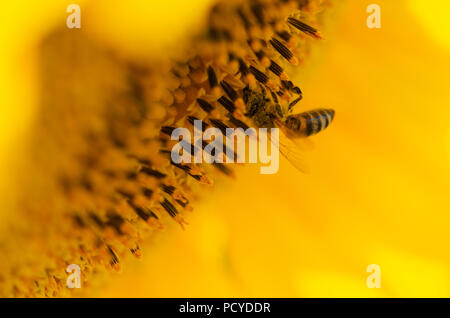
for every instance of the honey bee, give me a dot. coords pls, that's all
(308, 123)
(294, 128)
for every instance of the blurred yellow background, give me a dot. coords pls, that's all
(380, 176)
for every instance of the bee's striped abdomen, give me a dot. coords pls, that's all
(309, 123)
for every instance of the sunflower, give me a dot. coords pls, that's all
(376, 194)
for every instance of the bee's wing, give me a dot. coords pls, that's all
(300, 142)
(290, 150)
